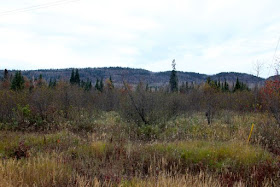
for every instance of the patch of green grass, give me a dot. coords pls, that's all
(214, 155)
(10, 141)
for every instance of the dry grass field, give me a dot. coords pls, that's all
(187, 152)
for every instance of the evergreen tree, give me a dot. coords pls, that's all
(40, 81)
(208, 80)
(77, 77)
(72, 79)
(101, 85)
(83, 83)
(87, 86)
(237, 85)
(215, 84)
(112, 84)
(244, 87)
(226, 86)
(173, 78)
(147, 87)
(18, 82)
(6, 75)
(97, 87)
(6, 80)
(52, 83)
(211, 83)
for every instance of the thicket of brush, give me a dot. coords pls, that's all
(66, 135)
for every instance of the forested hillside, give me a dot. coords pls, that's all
(134, 76)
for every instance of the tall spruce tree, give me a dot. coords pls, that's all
(52, 83)
(237, 85)
(173, 82)
(40, 81)
(6, 75)
(72, 79)
(97, 86)
(17, 82)
(226, 86)
(6, 79)
(77, 77)
(101, 85)
(87, 85)
(111, 81)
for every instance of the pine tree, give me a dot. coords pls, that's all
(215, 84)
(72, 79)
(112, 84)
(244, 87)
(77, 77)
(40, 81)
(226, 86)
(208, 80)
(18, 82)
(87, 85)
(6, 75)
(101, 85)
(237, 85)
(173, 78)
(211, 83)
(6, 80)
(97, 87)
(147, 87)
(83, 83)
(52, 83)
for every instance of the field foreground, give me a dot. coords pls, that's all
(186, 152)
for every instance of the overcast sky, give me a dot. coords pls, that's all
(205, 36)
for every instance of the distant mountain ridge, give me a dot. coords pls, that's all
(134, 76)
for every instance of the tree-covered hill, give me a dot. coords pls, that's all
(134, 76)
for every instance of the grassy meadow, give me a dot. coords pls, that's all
(185, 151)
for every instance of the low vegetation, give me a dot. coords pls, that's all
(187, 152)
(69, 134)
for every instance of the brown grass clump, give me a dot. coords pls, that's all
(44, 170)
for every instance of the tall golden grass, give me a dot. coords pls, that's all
(42, 170)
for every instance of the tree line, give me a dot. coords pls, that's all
(63, 100)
